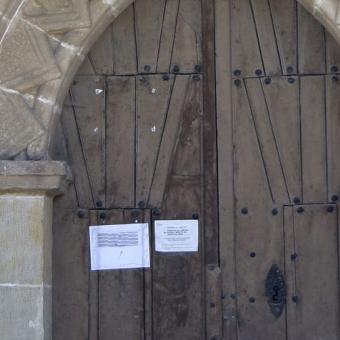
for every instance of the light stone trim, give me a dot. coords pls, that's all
(26, 209)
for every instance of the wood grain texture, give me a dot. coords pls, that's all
(266, 36)
(121, 292)
(88, 100)
(258, 230)
(316, 274)
(313, 139)
(124, 43)
(283, 101)
(246, 56)
(120, 142)
(311, 39)
(70, 269)
(152, 102)
(284, 21)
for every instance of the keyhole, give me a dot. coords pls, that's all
(275, 296)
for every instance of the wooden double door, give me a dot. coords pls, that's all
(224, 111)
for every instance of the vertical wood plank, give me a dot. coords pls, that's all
(86, 68)
(168, 35)
(259, 232)
(178, 309)
(75, 155)
(290, 258)
(267, 141)
(169, 141)
(70, 269)
(152, 100)
(332, 54)
(187, 50)
(313, 139)
(101, 54)
(246, 56)
(333, 136)
(121, 292)
(124, 43)
(282, 98)
(225, 165)
(316, 268)
(284, 20)
(266, 35)
(93, 324)
(88, 98)
(120, 142)
(311, 39)
(148, 32)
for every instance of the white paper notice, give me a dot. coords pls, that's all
(176, 235)
(119, 246)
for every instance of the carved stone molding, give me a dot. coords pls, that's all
(42, 44)
(58, 15)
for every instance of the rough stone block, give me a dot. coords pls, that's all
(26, 239)
(25, 313)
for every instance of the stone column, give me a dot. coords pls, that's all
(27, 189)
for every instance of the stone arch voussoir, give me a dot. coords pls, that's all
(42, 44)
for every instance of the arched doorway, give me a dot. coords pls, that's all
(257, 274)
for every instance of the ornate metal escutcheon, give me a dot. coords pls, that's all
(276, 290)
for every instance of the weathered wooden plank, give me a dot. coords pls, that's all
(70, 269)
(311, 43)
(148, 32)
(187, 50)
(86, 69)
(169, 140)
(316, 270)
(120, 142)
(282, 98)
(313, 139)
(88, 98)
(332, 54)
(225, 165)
(290, 258)
(121, 293)
(246, 56)
(152, 100)
(168, 36)
(258, 229)
(93, 325)
(101, 54)
(187, 162)
(333, 136)
(75, 155)
(266, 35)
(213, 302)
(284, 20)
(124, 43)
(178, 305)
(266, 139)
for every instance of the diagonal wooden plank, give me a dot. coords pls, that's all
(124, 43)
(148, 32)
(88, 97)
(284, 21)
(282, 97)
(266, 139)
(246, 56)
(266, 35)
(187, 50)
(152, 100)
(169, 141)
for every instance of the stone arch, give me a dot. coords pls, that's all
(42, 44)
